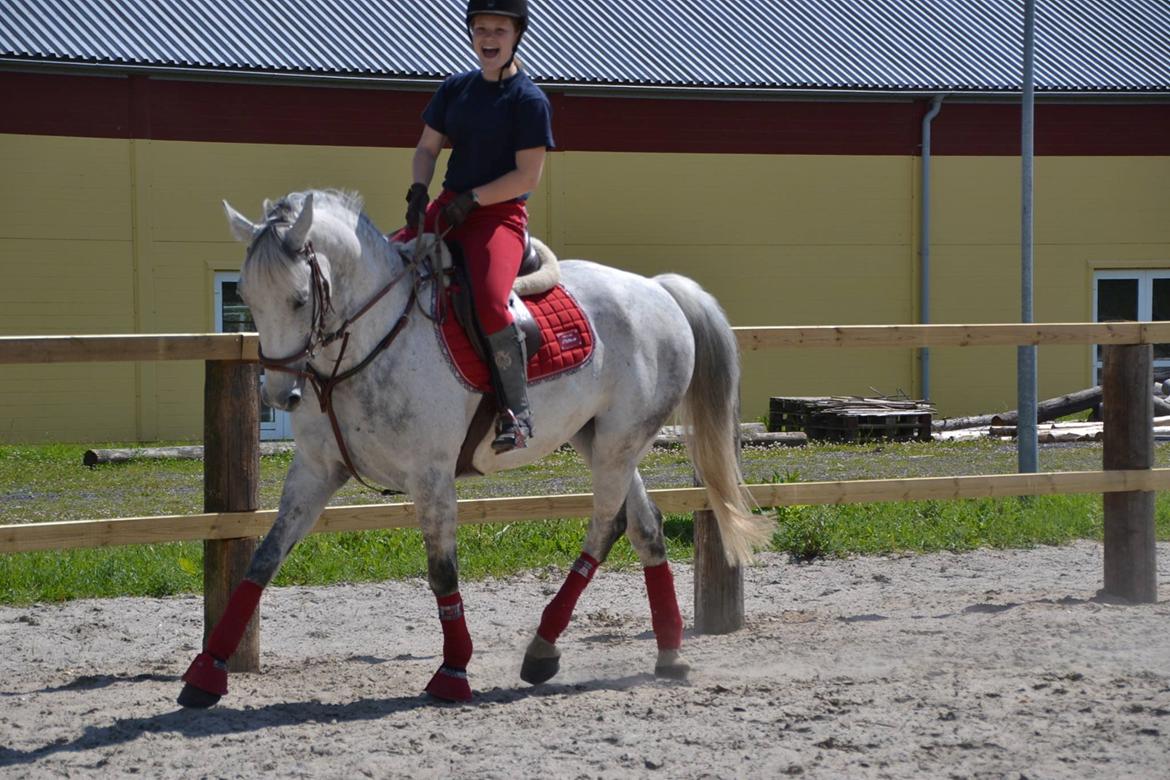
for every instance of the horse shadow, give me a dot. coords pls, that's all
(224, 721)
(994, 608)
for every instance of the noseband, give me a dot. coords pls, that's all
(319, 337)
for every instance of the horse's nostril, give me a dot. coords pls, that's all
(294, 398)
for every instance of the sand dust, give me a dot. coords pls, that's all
(984, 664)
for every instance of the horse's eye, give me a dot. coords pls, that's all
(298, 303)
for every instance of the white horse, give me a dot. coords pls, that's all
(333, 297)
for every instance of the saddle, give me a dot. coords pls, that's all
(558, 335)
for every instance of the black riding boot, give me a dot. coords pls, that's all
(510, 366)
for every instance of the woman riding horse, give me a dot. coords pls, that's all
(499, 126)
(310, 278)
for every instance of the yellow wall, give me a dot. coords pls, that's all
(65, 260)
(109, 236)
(779, 240)
(1090, 214)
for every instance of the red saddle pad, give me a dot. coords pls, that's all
(566, 341)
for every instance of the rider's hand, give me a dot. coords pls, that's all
(455, 212)
(417, 200)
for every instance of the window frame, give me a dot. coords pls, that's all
(280, 426)
(1145, 278)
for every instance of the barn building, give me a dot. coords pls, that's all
(773, 151)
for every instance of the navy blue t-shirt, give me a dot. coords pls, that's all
(487, 124)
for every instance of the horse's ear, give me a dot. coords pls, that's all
(242, 227)
(295, 239)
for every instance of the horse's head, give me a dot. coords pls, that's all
(286, 285)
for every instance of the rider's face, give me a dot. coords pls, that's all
(493, 38)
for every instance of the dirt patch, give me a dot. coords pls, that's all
(991, 663)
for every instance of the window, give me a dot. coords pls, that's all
(232, 316)
(1132, 295)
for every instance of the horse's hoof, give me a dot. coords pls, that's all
(673, 672)
(671, 665)
(535, 670)
(450, 684)
(206, 682)
(542, 660)
(197, 698)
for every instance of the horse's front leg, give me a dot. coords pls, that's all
(306, 490)
(542, 659)
(436, 506)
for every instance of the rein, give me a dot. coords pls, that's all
(318, 338)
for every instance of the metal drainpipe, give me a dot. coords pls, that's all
(1027, 446)
(924, 242)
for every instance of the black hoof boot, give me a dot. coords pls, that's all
(534, 670)
(197, 698)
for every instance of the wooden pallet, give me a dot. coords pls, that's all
(851, 419)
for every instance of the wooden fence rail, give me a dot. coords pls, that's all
(156, 529)
(244, 346)
(230, 525)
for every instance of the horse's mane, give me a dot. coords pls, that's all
(268, 257)
(289, 206)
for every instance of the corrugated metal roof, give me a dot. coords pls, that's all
(913, 45)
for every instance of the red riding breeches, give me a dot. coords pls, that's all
(492, 240)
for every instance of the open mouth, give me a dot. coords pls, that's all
(490, 53)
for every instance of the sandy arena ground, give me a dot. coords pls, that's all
(985, 664)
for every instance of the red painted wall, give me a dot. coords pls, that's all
(146, 107)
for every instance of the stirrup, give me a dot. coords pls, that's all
(511, 433)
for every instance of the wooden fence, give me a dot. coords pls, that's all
(230, 523)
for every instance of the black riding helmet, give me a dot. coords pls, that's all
(517, 9)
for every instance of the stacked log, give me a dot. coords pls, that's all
(1053, 408)
(97, 457)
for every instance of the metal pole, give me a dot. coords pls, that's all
(1026, 355)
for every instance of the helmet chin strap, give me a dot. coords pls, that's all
(505, 67)
(512, 58)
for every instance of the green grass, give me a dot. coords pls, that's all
(923, 526)
(48, 483)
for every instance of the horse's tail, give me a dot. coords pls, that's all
(710, 417)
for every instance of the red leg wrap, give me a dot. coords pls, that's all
(226, 635)
(456, 640)
(208, 671)
(450, 682)
(664, 614)
(556, 615)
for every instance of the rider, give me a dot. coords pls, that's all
(499, 126)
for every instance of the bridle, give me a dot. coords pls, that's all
(319, 338)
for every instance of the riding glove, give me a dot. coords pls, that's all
(417, 200)
(455, 213)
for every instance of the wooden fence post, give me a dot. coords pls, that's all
(1130, 549)
(231, 483)
(718, 585)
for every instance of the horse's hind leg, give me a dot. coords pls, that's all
(644, 530)
(305, 494)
